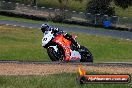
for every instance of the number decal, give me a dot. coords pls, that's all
(44, 39)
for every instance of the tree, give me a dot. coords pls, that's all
(104, 7)
(123, 3)
(34, 2)
(100, 7)
(7, 0)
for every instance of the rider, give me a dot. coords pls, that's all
(46, 27)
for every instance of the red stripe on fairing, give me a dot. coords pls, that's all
(59, 39)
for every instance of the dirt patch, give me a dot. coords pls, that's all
(45, 69)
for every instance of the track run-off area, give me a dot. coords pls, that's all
(45, 68)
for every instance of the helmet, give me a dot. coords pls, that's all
(44, 27)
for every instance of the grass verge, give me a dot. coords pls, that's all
(25, 44)
(18, 19)
(64, 80)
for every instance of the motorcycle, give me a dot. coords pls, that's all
(61, 49)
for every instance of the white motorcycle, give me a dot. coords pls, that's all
(61, 49)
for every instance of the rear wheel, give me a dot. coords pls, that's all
(86, 55)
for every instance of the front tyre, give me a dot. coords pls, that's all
(86, 55)
(52, 54)
(55, 56)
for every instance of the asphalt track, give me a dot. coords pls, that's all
(122, 64)
(104, 32)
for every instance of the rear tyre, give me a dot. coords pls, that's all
(86, 55)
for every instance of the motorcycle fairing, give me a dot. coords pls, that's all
(75, 56)
(55, 48)
(59, 39)
(47, 37)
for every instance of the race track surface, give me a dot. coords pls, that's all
(103, 32)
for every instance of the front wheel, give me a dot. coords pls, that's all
(86, 55)
(52, 54)
(55, 56)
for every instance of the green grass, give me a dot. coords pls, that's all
(18, 19)
(21, 44)
(73, 5)
(64, 80)
(25, 44)
(124, 13)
